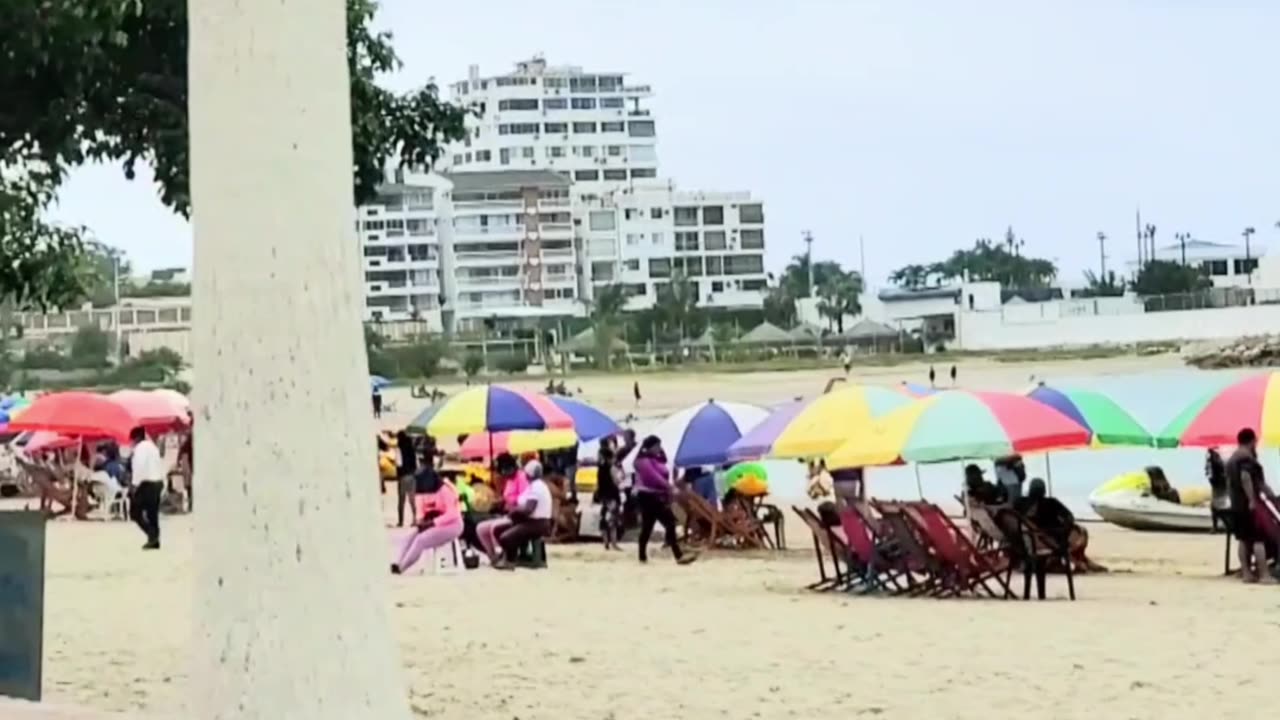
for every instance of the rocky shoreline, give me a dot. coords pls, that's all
(1260, 351)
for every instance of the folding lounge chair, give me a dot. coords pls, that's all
(823, 547)
(1024, 543)
(968, 569)
(873, 566)
(744, 532)
(925, 572)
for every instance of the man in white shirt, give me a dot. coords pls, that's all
(148, 473)
(530, 520)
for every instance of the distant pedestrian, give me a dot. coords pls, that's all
(953, 375)
(377, 403)
(148, 473)
(636, 390)
(933, 376)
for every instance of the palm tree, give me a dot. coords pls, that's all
(676, 306)
(840, 297)
(605, 311)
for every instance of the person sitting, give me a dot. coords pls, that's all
(1048, 515)
(979, 491)
(701, 483)
(1160, 487)
(439, 519)
(513, 482)
(528, 520)
(821, 484)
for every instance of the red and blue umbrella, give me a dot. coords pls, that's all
(702, 434)
(491, 409)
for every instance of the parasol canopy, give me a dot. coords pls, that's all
(1215, 419)
(1106, 420)
(701, 434)
(490, 409)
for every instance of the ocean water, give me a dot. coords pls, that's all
(1154, 399)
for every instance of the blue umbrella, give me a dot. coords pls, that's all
(702, 434)
(377, 382)
(588, 422)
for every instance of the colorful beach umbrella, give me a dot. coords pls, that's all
(1215, 419)
(588, 422)
(155, 411)
(484, 446)
(916, 389)
(834, 418)
(490, 409)
(758, 442)
(961, 425)
(82, 414)
(702, 434)
(1109, 423)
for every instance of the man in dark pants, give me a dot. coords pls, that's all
(148, 486)
(1248, 490)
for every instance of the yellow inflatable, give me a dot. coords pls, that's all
(387, 465)
(587, 478)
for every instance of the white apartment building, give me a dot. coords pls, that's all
(401, 248)
(508, 247)
(642, 237)
(591, 126)
(1225, 264)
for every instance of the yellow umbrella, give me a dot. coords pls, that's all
(832, 419)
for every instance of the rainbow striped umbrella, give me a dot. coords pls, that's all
(490, 409)
(824, 424)
(1214, 420)
(961, 425)
(1109, 423)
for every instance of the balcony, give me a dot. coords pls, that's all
(638, 113)
(637, 90)
(469, 281)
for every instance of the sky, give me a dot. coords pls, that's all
(915, 126)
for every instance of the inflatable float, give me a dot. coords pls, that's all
(1127, 501)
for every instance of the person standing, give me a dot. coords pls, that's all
(1247, 487)
(635, 389)
(953, 376)
(608, 495)
(933, 377)
(405, 473)
(377, 403)
(148, 474)
(653, 497)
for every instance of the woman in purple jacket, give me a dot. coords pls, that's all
(653, 493)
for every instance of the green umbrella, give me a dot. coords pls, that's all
(1109, 423)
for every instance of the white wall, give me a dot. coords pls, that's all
(1019, 326)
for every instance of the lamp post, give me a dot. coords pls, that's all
(1248, 255)
(1182, 245)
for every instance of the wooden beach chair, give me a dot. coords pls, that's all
(873, 566)
(705, 524)
(925, 572)
(822, 548)
(968, 569)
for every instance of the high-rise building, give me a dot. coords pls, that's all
(591, 126)
(553, 193)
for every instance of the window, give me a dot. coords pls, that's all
(659, 238)
(556, 128)
(418, 227)
(632, 265)
(687, 241)
(610, 83)
(555, 151)
(751, 213)
(641, 128)
(586, 175)
(504, 156)
(752, 239)
(467, 157)
(629, 213)
(1244, 267)
(555, 103)
(554, 82)
(602, 220)
(639, 173)
(713, 215)
(484, 156)
(618, 127)
(517, 104)
(634, 238)
(754, 284)
(527, 152)
(583, 83)
(743, 264)
(584, 127)
(583, 103)
(602, 271)
(612, 103)
(660, 267)
(586, 151)
(690, 266)
(686, 216)
(717, 286)
(715, 265)
(655, 213)
(615, 174)
(715, 240)
(457, 159)
(635, 290)
(518, 129)
(613, 150)
(1214, 267)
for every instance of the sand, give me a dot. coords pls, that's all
(599, 636)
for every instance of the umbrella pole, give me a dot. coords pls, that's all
(1048, 473)
(919, 484)
(75, 485)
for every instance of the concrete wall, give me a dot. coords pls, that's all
(1053, 325)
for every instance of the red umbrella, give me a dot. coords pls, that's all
(43, 441)
(153, 410)
(81, 414)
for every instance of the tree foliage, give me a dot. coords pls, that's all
(676, 309)
(840, 296)
(1107, 286)
(780, 307)
(605, 312)
(1163, 277)
(90, 347)
(795, 278)
(986, 261)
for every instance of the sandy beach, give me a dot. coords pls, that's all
(733, 636)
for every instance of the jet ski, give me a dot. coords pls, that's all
(1126, 500)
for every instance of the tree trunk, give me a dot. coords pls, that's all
(292, 608)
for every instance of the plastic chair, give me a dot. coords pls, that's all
(446, 559)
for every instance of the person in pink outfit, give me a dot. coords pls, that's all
(439, 520)
(514, 484)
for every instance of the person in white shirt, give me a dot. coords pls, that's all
(530, 520)
(148, 473)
